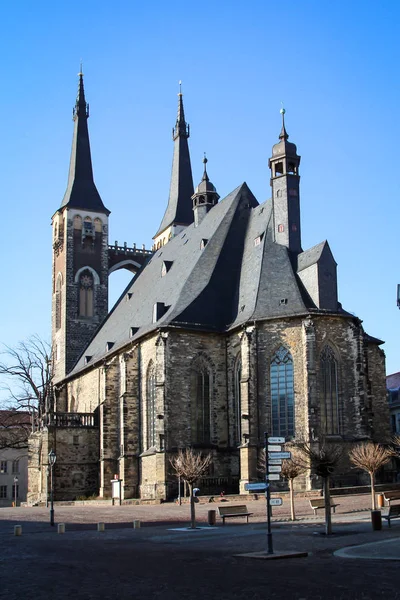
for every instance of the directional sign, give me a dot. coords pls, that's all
(276, 440)
(274, 468)
(274, 448)
(279, 455)
(275, 502)
(251, 487)
(274, 477)
(274, 461)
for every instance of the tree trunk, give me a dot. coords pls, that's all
(291, 492)
(192, 508)
(372, 476)
(327, 497)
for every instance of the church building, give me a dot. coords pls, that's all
(228, 329)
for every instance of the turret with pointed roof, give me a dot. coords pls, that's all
(179, 211)
(81, 190)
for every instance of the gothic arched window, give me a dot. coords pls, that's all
(237, 396)
(282, 393)
(151, 406)
(58, 301)
(86, 294)
(330, 421)
(201, 403)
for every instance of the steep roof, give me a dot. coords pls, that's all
(81, 190)
(393, 381)
(179, 209)
(213, 277)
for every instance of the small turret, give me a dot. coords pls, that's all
(204, 197)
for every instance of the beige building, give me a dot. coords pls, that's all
(229, 329)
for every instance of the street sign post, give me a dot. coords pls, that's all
(273, 455)
(276, 440)
(274, 448)
(258, 486)
(275, 502)
(274, 468)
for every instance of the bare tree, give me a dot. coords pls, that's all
(291, 469)
(370, 457)
(190, 466)
(322, 458)
(25, 378)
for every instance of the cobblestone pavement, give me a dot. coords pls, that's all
(164, 560)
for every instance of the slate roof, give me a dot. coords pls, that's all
(312, 255)
(214, 277)
(393, 381)
(179, 209)
(81, 190)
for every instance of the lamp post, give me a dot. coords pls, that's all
(15, 490)
(52, 460)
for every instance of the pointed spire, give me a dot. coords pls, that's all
(181, 127)
(179, 209)
(283, 134)
(205, 174)
(81, 190)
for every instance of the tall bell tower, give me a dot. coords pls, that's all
(285, 184)
(80, 252)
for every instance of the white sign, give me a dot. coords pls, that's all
(274, 448)
(275, 502)
(276, 440)
(273, 455)
(274, 468)
(249, 487)
(274, 461)
(274, 477)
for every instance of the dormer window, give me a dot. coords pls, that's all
(109, 345)
(258, 240)
(88, 358)
(167, 264)
(203, 243)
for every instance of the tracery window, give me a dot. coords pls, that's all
(201, 402)
(330, 420)
(151, 406)
(282, 393)
(86, 294)
(237, 396)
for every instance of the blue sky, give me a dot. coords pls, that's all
(334, 65)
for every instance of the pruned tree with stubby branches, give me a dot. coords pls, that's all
(25, 380)
(370, 457)
(322, 458)
(291, 469)
(190, 466)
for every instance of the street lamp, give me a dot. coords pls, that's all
(52, 460)
(15, 490)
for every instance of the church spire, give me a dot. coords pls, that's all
(179, 212)
(81, 190)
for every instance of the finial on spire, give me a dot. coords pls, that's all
(81, 69)
(283, 134)
(205, 174)
(180, 88)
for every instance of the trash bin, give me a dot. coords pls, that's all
(212, 517)
(376, 520)
(381, 501)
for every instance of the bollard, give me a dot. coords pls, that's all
(61, 528)
(136, 524)
(100, 527)
(376, 520)
(17, 529)
(212, 517)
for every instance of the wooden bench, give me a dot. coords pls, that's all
(317, 503)
(393, 513)
(233, 510)
(391, 495)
